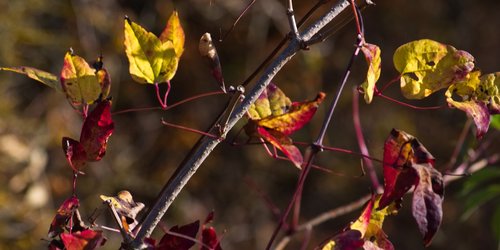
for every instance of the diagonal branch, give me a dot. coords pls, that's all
(206, 144)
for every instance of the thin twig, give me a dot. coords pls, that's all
(291, 20)
(361, 141)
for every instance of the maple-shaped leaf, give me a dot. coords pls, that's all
(372, 56)
(151, 60)
(170, 241)
(126, 207)
(84, 240)
(96, 130)
(79, 80)
(63, 215)
(427, 66)
(274, 117)
(44, 77)
(408, 163)
(173, 32)
(207, 49)
(480, 98)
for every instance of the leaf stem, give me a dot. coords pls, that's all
(158, 96)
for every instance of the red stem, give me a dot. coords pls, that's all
(188, 129)
(356, 18)
(409, 105)
(389, 84)
(166, 94)
(158, 96)
(361, 141)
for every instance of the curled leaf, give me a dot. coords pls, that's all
(207, 49)
(478, 111)
(427, 66)
(44, 77)
(372, 56)
(75, 153)
(427, 201)
(125, 206)
(79, 81)
(150, 59)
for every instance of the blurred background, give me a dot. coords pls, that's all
(142, 153)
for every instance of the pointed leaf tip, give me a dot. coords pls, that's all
(372, 56)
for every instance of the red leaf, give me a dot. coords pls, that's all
(75, 154)
(348, 240)
(175, 242)
(399, 177)
(283, 143)
(96, 130)
(209, 238)
(84, 240)
(63, 215)
(210, 218)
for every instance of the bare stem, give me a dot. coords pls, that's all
(361, 141)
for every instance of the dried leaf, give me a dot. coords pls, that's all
(174, 33)
(169, 241)
(372, 56)
(64, 213)
(125, 206)
(427, 66)
(151, 60)
(44, 77)
(79, 81)
(84, 240)
(207, 50)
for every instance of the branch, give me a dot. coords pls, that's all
(206, 144)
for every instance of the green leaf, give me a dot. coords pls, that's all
(151, 60)
(475, 200)
(489, 91)
(495, 223)
(173, 32)
(495, 121)
(272, 102)
(372, 56)
(479, 178)
(427, 66)
(79, 81)
(44, 77)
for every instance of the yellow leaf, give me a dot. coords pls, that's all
(173, 32)
(79, 81)
(372, 55)
(151, 61)
(44, 77)
(427, 66)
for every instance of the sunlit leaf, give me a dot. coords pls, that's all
(295, 117)
(348, 240)
(64, 213)
(44, 77)
(103, 78)
(427, 66)
(84, 240)
(372, 56)
(274, 117)
(272, 102)
(151, 60)
(125, 206)
(79, 81)
(96, 130)
(489, 91)
(170, 241)
(174, 33)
